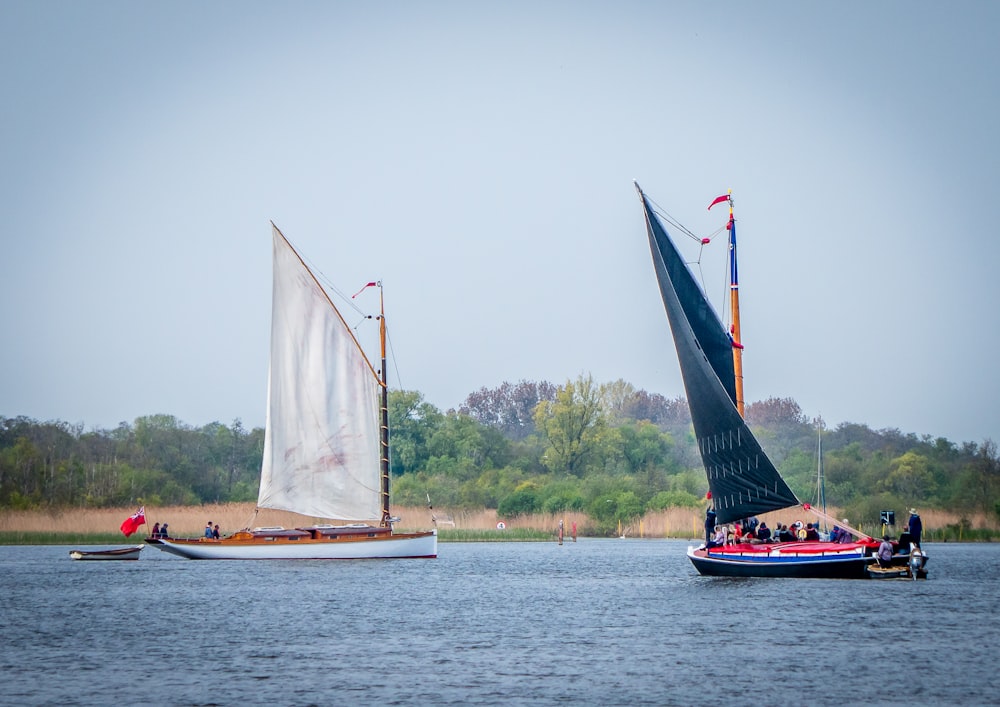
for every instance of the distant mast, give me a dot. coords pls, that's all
(820, 480)
(734, 302)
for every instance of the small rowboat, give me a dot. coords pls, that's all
(894, 572)
(121, 553)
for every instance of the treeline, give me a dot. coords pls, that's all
(608, 450)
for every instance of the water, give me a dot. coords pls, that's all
(602, 622)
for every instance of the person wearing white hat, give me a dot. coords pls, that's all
(915, 526)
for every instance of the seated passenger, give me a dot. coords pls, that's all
(763, 533)
(719, 538)
(811, 533)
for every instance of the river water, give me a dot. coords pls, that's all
(596, 622)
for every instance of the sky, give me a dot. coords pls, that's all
(478, 159)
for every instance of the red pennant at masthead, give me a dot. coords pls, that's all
(718, 200)
(370, 284)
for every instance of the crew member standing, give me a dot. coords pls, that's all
(916, 527)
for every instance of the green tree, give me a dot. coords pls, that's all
(412, 423)
(470, 444)
(571, 424)
(673, 499)
(561, 495)
(910, 477)
(522, 501)
(982, 477)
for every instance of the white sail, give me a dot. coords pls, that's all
(321, 442)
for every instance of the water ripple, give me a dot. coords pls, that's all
(603, 622)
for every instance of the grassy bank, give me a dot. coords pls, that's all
(16, 537)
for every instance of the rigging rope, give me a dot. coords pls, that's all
(702, 242)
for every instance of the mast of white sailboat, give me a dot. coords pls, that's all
(384, 413)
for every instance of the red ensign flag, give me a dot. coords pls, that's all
(132, 523)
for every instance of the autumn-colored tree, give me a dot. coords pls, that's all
(510, 407)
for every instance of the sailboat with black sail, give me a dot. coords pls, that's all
(743, 482)
(326, 441)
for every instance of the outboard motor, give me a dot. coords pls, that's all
(916, 560)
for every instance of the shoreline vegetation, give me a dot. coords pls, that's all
(90, 526)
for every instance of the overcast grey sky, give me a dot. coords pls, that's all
(478, 158)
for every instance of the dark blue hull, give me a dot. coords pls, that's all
(852, 566)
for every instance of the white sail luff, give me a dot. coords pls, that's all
(321, 440)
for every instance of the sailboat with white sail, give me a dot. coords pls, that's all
(743, 482)
(326, 441)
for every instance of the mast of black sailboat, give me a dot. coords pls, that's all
(734, 302)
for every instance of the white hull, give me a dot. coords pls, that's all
(391, 547)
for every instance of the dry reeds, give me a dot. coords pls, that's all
(189, 521)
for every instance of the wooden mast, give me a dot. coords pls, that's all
(734, 297)
(384, 411)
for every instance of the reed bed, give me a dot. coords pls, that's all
(100, 525)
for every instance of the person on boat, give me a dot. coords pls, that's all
(764, 533)
(885, 552)
(208, 530)
(718, 539)
(785, 535)
(156, 531)
(798, 530)
(916, 527)
(215, 531)
(164, 533)
(811, 533)
(710, 526)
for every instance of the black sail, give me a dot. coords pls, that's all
(743, 481)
